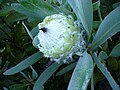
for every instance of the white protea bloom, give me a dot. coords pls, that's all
(59, 38)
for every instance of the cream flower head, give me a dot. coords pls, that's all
(59, 38)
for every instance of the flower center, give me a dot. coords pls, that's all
(44, 29)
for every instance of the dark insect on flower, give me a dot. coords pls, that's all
(44, 29)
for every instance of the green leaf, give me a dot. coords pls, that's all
(116, 5)
(27, 30)
(4, 88)
(66, 69)
(5, 10)
(106, 73)
(35, 31)
(15, 16)
(35, 8)
(109, 27)
(105, 45)
(82, 73)
(21, 9)
(116, 51)
(24, 64)
(96, 24)
(45, 76)
(34, 73)
(96, 5)
(83, 10)
(18, 87)
(102, 55)
(35, 41)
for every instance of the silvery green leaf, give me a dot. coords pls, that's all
(84, 11)
(109, 27)
(24, 64)
(116, 51)
(82, 73)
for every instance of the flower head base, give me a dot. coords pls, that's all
(59, 38)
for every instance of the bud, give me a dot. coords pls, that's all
(59, 38)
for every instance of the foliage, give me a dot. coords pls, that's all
(22, 67)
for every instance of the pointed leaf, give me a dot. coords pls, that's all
(24, 64)
(109, 27)
(116, 51)
(83, 10)
(34, 73)
(82, 73)
(45, 76)
(106, 73)
(66, 69)
(35, 8)
(96, 5)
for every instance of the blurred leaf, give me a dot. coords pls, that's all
(21, 9)
(27, 30)
(105, 45)
(4, 88)
(15, 16)
(18, 87)
(115, 5)
(18, 34)
(24, 64)
(106, 73)
(82, 73)
(96, 5)
(66, 69)
(45, 76)
(96, 24)
(35, 8)
(5, 10)
(5, 30)
(109, 27)
(116, 51)
(102, 55)
(98, 77)
(83, 10)
(113, 64)
(1, 1)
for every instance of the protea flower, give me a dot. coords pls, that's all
(59, 38)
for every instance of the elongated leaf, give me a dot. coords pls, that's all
(106, 73)
(18, 87)
(82, 73)
(66, 69)
(24, 64)
(35, 31)
(45, 76)
(21, 9)
(116, 5)
(35, 8)
(116, 51)
(34, 73)
(15, 16)
(5, 10)
(83, 10)
(109, 27)
(96, 5)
